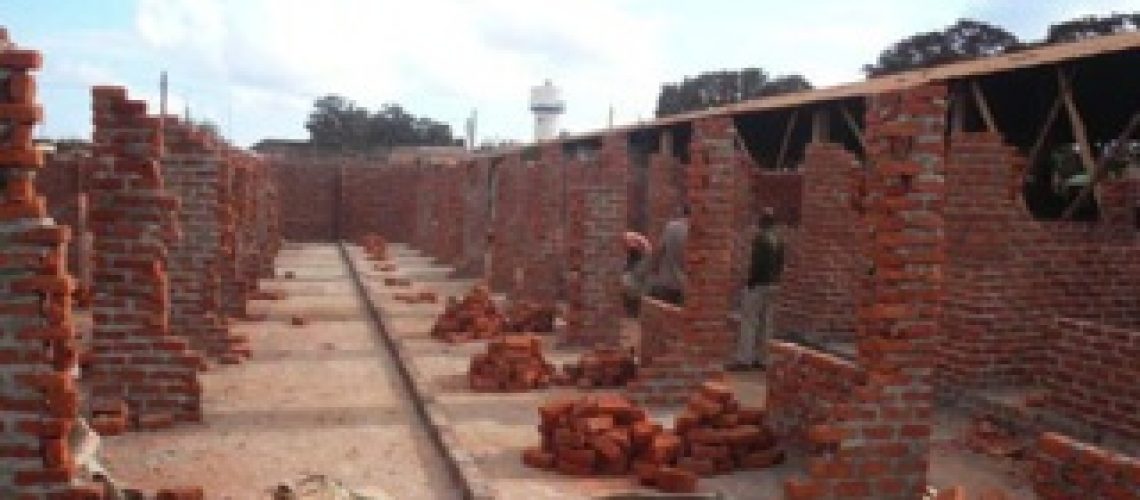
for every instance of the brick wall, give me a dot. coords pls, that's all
(135, 356)
(1064, 468)
(595, 257)
(1091, 375)
(1008, 275)
(821, 280)
(783, 191)
(37, 339)
(805, 387)
(307, 186)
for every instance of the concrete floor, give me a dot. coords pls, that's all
(318, 399)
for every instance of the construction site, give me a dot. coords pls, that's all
(182, 318)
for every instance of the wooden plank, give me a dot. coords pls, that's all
(1075, 122)
(1098, 171)
(853, 126)
(1044, 132)
(983, 107)
(787, 137)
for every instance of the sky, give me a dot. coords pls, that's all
(254, 67)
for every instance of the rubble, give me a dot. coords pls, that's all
(511, 363)
(473, 317)
(719, 435)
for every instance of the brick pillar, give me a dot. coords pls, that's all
(37, 338)
(505, 230)
(663, 189)
(194, 170)
(707, 340)
(544, 261)
(135, 356)
(235, 290)
(595, 254)
(878, 444)
(476, 216)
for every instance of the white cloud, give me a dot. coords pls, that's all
(468, 54)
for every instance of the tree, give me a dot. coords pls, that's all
(718, 88)
(1087, 27)
(338, 123)
(966, 39)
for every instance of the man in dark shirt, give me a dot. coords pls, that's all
(760, 295)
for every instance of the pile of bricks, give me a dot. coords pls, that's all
(718, 435)
(473, 317)
(608, 435)
(425, 297)
(601, 367)
(530, 317)
(512, 363)
(375, 246)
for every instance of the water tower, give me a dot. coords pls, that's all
(546, 104)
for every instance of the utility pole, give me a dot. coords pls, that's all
(611, 119)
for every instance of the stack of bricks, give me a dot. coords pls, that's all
(718, 435)
(63, 180)
(595, 258)
(36, 333)
(135, 357)
(820, 283)
(512, 363)
(706, 342)
(878, 442)
(473, 317)
(1064, 468)
(193, 170)
(601, 367)
(805, 387)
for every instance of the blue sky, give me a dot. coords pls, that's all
(255, 66)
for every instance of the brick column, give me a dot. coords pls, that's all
(476, 217)
(135, 356)
(545, 261)
(37, 338)
(595, 254)
(707, 340)
(878, 444)
(194, 171)
(663, 189)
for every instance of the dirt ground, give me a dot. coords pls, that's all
(495, 428)
(323, 398)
